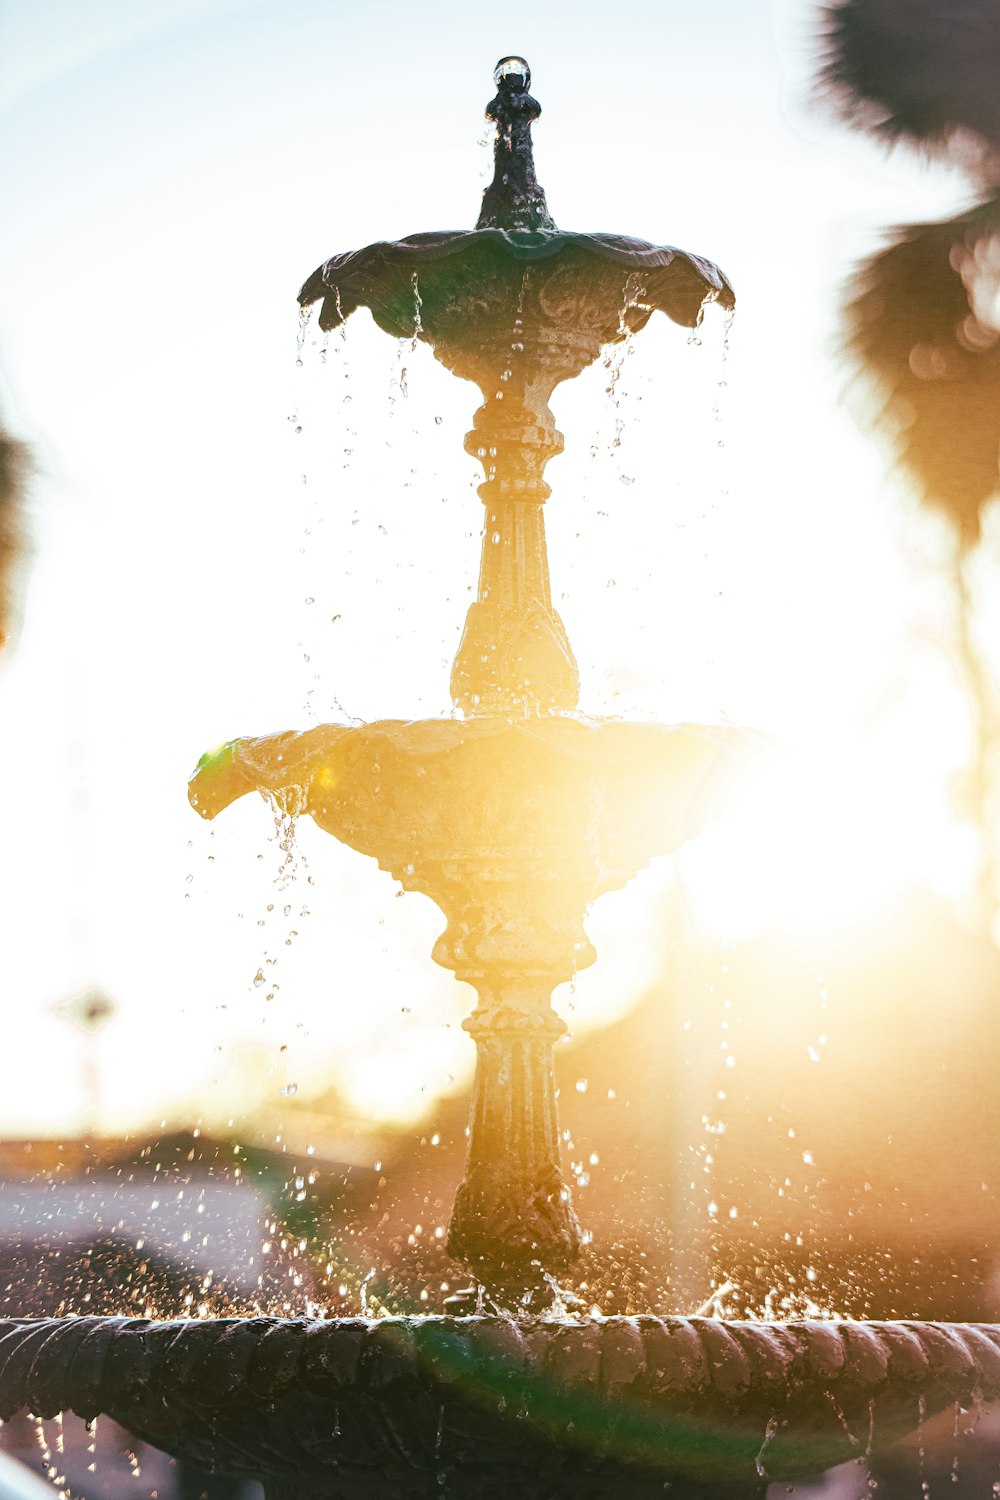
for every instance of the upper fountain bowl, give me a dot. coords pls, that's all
(471, 293)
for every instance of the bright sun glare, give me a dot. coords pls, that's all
(825, 837)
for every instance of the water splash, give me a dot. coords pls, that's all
(722, 384)
(287, 805)
(614, 361)
(838, 1412)
(397, 378)
(956, 1435)
(367, 1305)
(770, 1431)
(925, 1488)
(485, 143)
(418, 303)
(566, 1306)
(517, 342)
(340, 313)
(305, 318)
(44, 1447)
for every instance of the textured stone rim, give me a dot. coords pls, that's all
(362, 278)
(292, 760)
(716, 1402)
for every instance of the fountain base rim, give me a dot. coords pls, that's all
(546, 1406)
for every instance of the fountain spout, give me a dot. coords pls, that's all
(514, 199)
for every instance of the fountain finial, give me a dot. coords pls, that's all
(514, 199)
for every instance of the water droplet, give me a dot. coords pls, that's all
(769, 1432)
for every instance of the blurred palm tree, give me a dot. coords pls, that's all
(923, 314)
(13, 474)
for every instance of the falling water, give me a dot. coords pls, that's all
(305, 320)
(418, 303)
(397, 379)
(485, 143)
(723, 381)
(956, 1432)
(770, 1432)
(517, 345)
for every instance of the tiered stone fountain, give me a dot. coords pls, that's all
(513, 815)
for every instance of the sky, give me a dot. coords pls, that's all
(230, 542)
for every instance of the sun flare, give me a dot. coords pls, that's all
(827, 835)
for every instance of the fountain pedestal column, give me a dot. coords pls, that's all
(513, 1220)
(515, 656)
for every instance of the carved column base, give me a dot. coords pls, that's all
(511, 1229)
(513, 1223)
(514, 661)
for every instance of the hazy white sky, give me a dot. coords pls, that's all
(171, 173)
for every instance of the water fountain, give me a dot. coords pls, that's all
(514, 814)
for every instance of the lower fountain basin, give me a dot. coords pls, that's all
(473, 1408)
(450, 805)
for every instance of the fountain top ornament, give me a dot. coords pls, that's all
(515, 229)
